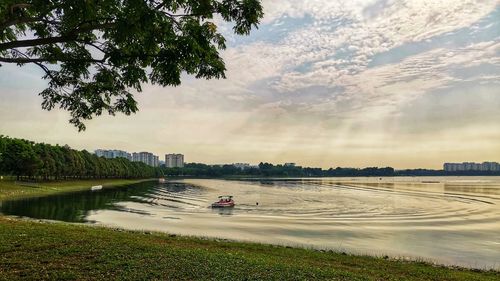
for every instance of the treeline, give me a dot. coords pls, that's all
(433, 173)
(270, 170)
(29, 160)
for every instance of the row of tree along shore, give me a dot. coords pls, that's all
(38, 161)
(270, 170)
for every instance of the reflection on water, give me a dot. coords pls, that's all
(448, 220)
(73, 207)
(223, 211)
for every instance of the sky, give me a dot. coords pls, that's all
(321, 83)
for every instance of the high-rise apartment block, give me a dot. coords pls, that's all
(146, 158)
(471, 166)
(174, 160)
(113, 153)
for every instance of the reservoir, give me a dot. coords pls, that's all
(448, 220)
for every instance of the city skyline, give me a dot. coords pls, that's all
(177, 160)
(472, 166)
(405, 84)
(143, 156)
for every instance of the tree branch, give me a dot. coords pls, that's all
(36, 42)
(8, 23)
(95, 46)
(45, 69)
(21, 60)
(18, 6)
(70, 36)
(35, 60)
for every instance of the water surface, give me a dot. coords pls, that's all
(452, 220)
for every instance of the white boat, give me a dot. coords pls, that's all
(96, 187)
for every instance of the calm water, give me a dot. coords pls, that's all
(446, 220)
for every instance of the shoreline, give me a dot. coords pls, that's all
(321, 177)
(10, 190)
(32, 249)
(216, 239)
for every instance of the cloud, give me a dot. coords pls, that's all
(325, 82)
(318, 56)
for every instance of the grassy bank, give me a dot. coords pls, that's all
(40, 250)
(34, 250)
(10, 189)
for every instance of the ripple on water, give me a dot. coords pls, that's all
(450, 221)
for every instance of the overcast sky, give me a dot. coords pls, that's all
(321, 83)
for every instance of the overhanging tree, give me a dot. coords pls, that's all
(94, 53)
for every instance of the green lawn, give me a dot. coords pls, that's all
(9, 189)
(34, 250)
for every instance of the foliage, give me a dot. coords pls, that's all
(94, 53)
(270, 170)
(24, 158)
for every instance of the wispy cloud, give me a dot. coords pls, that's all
(323, 80)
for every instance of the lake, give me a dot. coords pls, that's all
(448, 220)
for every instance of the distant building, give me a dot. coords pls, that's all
(174, 160)
(471, 166)
(147, 158)
(101, 153)
(289, 164)
(491, 166)
(144, 157)
(241, 166)
(450, 167)
(113, 153)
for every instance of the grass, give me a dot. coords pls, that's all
(40, 250)
(9, 189)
